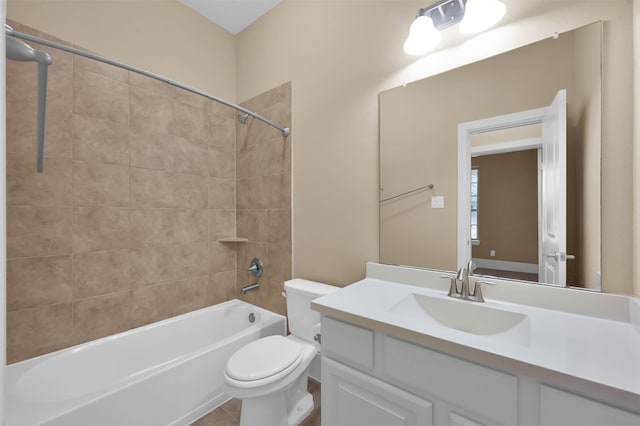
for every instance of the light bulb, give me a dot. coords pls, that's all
(423, 36)
(480, 15)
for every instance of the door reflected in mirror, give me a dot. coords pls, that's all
(505, 201)
(419, 145)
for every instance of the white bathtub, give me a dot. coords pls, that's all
(165, 373)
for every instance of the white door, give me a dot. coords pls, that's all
(553, 264)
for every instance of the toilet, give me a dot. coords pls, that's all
(270, 374)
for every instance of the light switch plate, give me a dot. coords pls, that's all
(437, 202)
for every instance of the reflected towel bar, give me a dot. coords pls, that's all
(422, 188)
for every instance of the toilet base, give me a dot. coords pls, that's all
(268, 410)
(287, 408)
(302, 409)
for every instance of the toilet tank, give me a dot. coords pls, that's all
(303, 321)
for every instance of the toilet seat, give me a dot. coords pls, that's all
(263, 361)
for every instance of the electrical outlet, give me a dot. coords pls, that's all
(492, 253)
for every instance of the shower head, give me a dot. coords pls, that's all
(18, 50)
(243, 118)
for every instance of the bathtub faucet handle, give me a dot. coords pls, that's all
(255, 268)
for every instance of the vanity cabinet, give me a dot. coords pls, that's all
(370, 378)
(373, 378)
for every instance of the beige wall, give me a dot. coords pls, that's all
(336, 75)
(339, 61)
(335, 72)
(508, 206)
(161, 36)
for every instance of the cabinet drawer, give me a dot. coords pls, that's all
(480, 391)
(559, 407)
(348, 343)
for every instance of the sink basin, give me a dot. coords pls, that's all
(469, 317)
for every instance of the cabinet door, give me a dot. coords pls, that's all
(562, 408)
(351, 398)
(477, 392)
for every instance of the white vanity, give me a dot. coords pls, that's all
(396, 350)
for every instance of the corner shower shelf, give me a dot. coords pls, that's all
(233, 240)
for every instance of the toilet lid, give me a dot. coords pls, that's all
(263, 358)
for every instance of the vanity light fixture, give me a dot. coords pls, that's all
(481, 15)
(474, 16)
(423, 36)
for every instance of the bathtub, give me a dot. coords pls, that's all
(165, 373)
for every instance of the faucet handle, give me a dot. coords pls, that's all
(255, 268)
(453, 288)
(477, 290)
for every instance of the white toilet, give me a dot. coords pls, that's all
(270, 374)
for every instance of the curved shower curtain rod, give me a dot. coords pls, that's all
(284, 130)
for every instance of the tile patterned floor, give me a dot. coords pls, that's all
(228, 414)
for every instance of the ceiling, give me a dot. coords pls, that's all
(232, 15)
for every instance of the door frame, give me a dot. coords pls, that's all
(465, 132)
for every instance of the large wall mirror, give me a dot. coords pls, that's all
(506, 203)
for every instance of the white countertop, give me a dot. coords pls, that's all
(595, 352)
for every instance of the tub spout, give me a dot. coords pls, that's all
(249, 287)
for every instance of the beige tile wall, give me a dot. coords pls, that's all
(264, 197)
(139, 183)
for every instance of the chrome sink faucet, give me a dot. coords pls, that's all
(463, 278)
